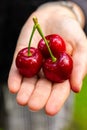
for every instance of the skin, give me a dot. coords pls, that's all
(31, 91)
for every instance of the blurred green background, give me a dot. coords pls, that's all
(80, 109)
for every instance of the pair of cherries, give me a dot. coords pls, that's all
(50, 55)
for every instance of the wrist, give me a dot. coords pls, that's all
(68, 8)
(78, 12)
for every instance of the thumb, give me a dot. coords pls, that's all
(79, 66)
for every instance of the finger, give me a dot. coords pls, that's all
(57, 98)
(40, 95)
(26, 90)
(79, 68)
(14, 80)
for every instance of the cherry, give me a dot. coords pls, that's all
(56, 44)
(29, 66)
(59, 70)
(29, 60)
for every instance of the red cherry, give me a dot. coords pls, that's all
(29, 66)
(59, 70)
(56, 44)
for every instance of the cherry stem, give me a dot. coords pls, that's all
(31, 36)
(42, 35)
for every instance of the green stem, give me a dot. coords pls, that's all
(42, 35)
(32, 33)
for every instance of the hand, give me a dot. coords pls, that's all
(38, 93)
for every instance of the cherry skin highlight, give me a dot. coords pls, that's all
(29, 66)
(59, 70)
(56, 44)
